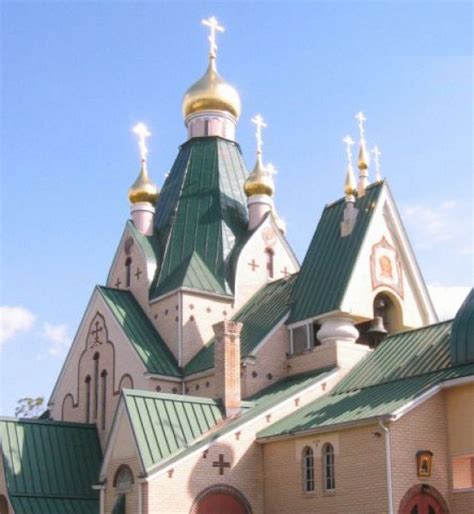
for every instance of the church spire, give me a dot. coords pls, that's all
(143, 193)
(350, 192)
(259, 186)
(363, 160)
(211, 106)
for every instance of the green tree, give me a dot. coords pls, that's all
(29, 407)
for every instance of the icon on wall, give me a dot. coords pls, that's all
(385, 267)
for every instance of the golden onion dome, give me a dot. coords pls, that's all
(211, 93)
(363, 160)
(260, 181)
(143, 189)
(350, 187)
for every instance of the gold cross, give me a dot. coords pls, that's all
(214, 27)
(258, 120)
(141, 130)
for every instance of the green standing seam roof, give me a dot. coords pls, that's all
(330, 259)
(462, 337)
(165, 423)
(50, 466)
(262, 401)
(402, 355)
(148, 343)
(258, 316)
(201, 210)
(362, 404)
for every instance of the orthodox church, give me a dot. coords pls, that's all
(214, 374)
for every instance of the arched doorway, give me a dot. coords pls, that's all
(423, 500)
(221, 499)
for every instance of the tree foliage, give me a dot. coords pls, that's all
(29, 407)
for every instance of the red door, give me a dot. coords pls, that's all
(220, 503)
(423, 504)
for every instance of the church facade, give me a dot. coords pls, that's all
(213, 373)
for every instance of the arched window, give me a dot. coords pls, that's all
(328, 467)
(269, 255)
(128, 271)
(308, 470)
(123, 483)
(88, 398)
(96, 385)
(103, 376)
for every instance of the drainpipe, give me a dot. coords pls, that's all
(388, 464)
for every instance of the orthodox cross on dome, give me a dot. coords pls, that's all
(377, 153)
(214, 27)
(349, 142)
(221, 464)
(258, 120)
(360, 117)
(141, 130)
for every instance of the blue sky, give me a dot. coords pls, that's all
(76, 76)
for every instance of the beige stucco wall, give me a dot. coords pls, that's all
(359, 472)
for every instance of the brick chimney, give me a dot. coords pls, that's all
(227, 364)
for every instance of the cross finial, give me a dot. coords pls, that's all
(141, 130)
(360, 117)
(349, 142)
(377, 153)
(271, 170)
(258, 120)
(214, 27)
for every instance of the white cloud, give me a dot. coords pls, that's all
(447, 299)
(14, 320)
(58, 336)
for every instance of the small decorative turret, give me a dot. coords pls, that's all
(211, 106)
(363, 160)
(143, 193)
(350, 192)
(259, 186)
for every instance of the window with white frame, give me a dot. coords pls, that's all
(329, 475)
(308, 470)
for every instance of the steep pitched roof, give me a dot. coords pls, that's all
(255, 406)
(163, 423)
(202, 211)
(402, 368)
(462, 337)
(148, 343)
(50, 466)
(330, 259)
(258, 316)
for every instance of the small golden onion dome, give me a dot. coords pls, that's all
(363, 160)
(143, 189)
(259, 182)
(211, 93)
(350, 187)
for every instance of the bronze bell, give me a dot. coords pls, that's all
(376, 332)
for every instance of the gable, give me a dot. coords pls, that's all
(330, 259)
(386, 263)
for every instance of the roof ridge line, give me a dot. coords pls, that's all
(50, 422)
(171, 396)
(417, 329)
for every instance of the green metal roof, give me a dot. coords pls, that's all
(362, 404)
(462, 336)
(262, 401)
(258, 316)
(201, 210)
(148, 343)
(149, 244)
(50, 465)
(165, 423)
(402, 355)
(330, 259)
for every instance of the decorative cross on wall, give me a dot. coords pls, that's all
(221, 464)
(254, 265)
(285, 272)
(98, 329)
(138, 273)
(118, 283)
